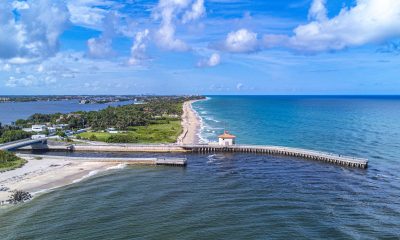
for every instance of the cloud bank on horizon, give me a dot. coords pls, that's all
(198, 46)
(369, 21)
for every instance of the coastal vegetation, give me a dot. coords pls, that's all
(166, 131)
(9, 161)
(155, 120)
(12, 133)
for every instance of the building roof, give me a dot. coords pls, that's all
(226, 135)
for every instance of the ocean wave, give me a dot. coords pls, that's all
(42, 191)
(206, 132)
(213, 158)
(119, 166)
(211, 119)
(91, 173)
(94, 172)
(199, 134)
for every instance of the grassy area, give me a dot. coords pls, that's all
(8, 161)
(161, 132)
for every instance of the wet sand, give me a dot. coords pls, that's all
(38, 176)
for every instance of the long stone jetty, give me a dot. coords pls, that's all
(331, 158)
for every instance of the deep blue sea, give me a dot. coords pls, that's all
(242, 196)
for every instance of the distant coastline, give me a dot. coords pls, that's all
(12, 111)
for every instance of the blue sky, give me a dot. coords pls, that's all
(199, 47)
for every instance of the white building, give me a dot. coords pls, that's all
(39, 128)
(61, 126)
(226, 139)
(52, 129)
(27, 129)
(112, 130)
(38, 136)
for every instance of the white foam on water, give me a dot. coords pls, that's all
(119, 166)
(199, 133)
(206, 131)
(42, 191)
(91, 173)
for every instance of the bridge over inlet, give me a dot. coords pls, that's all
(22, 143)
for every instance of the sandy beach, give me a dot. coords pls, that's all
(191, 125)
(40, 175)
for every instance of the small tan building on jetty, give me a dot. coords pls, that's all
(226, 139)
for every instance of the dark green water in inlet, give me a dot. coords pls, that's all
(242, 196)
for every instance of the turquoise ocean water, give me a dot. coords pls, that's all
(242, 196)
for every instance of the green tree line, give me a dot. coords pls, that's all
(12, 133)
(121, 117)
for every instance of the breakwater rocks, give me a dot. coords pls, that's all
(19, 196)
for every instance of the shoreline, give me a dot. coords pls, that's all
(191, 124)
(39, 176)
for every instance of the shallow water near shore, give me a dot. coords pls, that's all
(241, 196)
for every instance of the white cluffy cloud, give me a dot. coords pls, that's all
(318, 11)
(197, 10)
(241, 41)
(99, 47)
(138, 49)
(369, 21)
(168, 11)
(29, 81)
(6, 67)
(239, 86)
(89, 13)
(35, 33)
(214, 60)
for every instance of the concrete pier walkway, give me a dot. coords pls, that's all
(284, 151)
(331, 158)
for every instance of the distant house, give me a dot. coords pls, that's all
(39, 128)
(226, 139)
(27, 129)
(80, 131)
(112, 130)
(61, 126)
(75, 115)
(69, 132)
(38, 136)
(52, 129)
